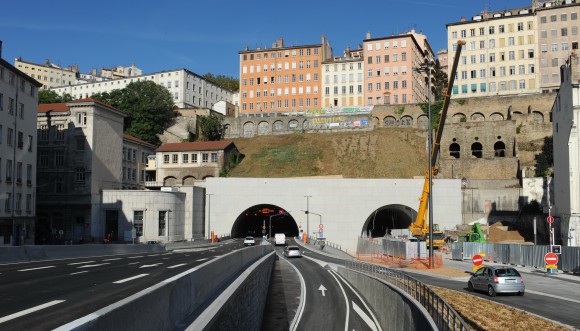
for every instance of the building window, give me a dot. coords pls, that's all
(58, 158)
(82, 118)
(29, 174)
(162, 223)
(185, 158)
(193, 158)
(19, 172)
(214, 157)
(29, 147)
(80, 174)
(8, 202)
(28, 203)
(174, 158)
(204, 157)
(9, 137)
(43, 159)
(166, 158)
(138, 222)
(9, 171)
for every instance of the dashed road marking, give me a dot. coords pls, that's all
(29, 310)
(31, 269)
(85, 262)
(130, 279)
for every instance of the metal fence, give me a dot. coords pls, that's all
(445, 317)
(525, 255)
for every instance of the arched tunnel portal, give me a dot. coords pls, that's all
(264, 219)
(387, 218)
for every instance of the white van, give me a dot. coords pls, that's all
(280, 239)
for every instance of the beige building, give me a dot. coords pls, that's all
(343, 80)
(389, 75)
(558, 38)
(18, 103)
(135, 153)
(48, 73)
(500, 55)
(121, 72)
(176, 164)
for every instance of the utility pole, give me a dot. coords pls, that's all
(307, 217)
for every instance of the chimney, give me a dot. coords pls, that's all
(368, 35)
(463, 19)
(280, 42)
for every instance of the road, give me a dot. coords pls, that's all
(329, 302)
(44, 295)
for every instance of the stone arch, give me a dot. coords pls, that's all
(375, 122)
(227, 129)
(206, 177)
(188, 180)
(306, 124)
(458, 118)
(516, 115)
(390, 121)
(169, 181)
(477, 117)
(499, 149)
(407, 121)
(454, 150)
(293, 125)
(278, 126)
(496, 117)
(538, 117)
(263, 128)
(477, 150)
(423, 122)
(249, 129)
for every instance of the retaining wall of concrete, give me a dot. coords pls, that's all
(395, 309)
(14, 254)
(168, 304)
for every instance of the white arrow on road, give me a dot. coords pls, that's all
(149, 265)
(322, 289)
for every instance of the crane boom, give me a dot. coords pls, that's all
(419, 228)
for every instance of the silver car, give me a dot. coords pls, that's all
(495, 280)
(292, 251)
(249, 241)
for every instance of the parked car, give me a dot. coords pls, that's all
(249, 241)
(292, 251)
(495, 280)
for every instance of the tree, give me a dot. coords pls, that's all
(545, 160)
(435, 112)
(47, 96)
(149, 107)
(228, 83)
(211, 127)
(440, 83)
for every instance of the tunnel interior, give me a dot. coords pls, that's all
(259, 220)
(387, 218)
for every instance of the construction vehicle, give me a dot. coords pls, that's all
(475, 235)
(420, 227)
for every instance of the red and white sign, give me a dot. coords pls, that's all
(551, 259)
(477, 260)
(321, 227)
(550, 219)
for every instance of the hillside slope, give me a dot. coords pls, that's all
(381, 153)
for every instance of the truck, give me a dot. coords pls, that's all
(475, 235)
(420, 227)
(279, 239)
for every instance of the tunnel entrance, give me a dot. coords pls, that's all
(388, 218)
(260, 220)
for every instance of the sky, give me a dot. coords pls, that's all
(207, 36)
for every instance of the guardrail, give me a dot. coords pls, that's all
(445, 317)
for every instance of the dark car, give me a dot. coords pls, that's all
(495, 280)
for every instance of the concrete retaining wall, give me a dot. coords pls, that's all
(14, 254)
(241, 305)
(166, 305)
(395, 309)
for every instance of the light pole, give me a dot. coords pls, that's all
(270, 222)
(426, 67)
(307, 218)
(209, 215)
(320, 220)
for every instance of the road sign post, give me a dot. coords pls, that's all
(477, 261)
(551, 260)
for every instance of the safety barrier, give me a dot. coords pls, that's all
(516, 254)
(444, 316)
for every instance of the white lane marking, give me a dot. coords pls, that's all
(345, 299)
(135, 257)
(322, 289)
(30, 310)
(154, 255)
(81, 262)
(149, 265)
(50, 266)
(175, 266)
(92, 265)
(115, 259)
(552, 296)
(130, 278)
(133, 263)
(167, 254)
(202, 259)
(300, 310)
(377, 324)
(80, 272)
(364, 316)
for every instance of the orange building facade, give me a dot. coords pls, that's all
(282, 79)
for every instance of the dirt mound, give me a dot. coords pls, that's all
(501, 234)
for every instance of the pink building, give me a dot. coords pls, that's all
(389, 74)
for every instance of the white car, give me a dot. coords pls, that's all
(249, 241)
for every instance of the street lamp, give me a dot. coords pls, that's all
(320, 220)
(209, 215)
(426, 68)
(307, 218)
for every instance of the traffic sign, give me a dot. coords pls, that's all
(551, 259)
(550, 219)
(477, 260)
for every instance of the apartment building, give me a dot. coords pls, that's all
(134, 162)
(344, 80)
(442, 57)
(18, 103)
(80, 148)
(500, 55)
(121, 72)
(558, 38)
(389, 63)
(188, 89)
(282, 78)
(48, 73)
